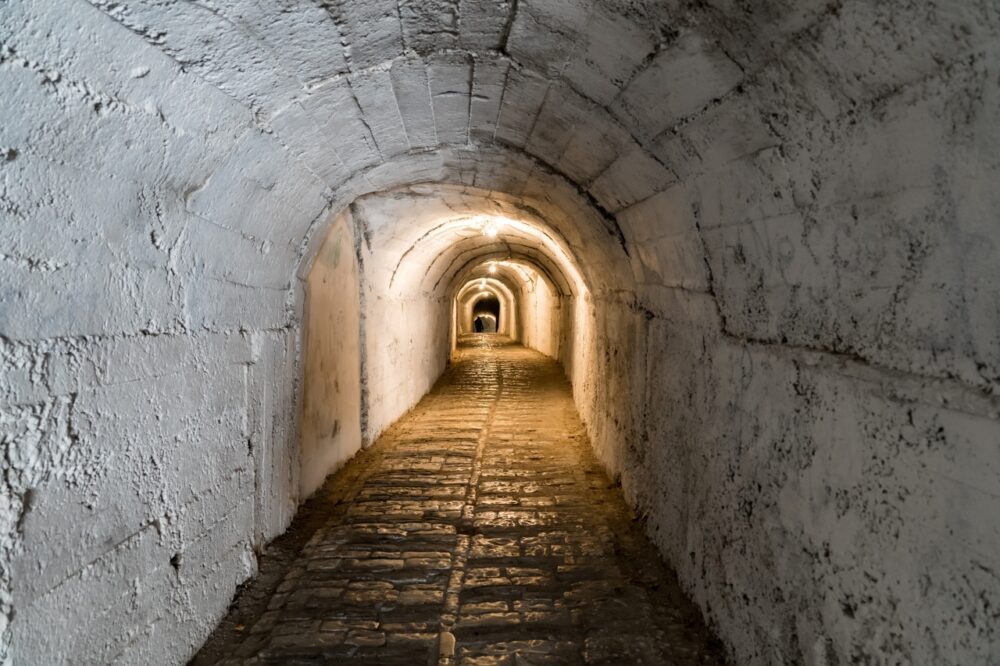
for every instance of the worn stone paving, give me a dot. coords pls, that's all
(479, 530)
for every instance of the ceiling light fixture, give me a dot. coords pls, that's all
(492, 227)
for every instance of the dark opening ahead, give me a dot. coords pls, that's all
(486, 315)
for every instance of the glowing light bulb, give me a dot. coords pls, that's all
(493, 268)
(492, 228)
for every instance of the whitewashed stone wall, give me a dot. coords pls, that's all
(330, 424)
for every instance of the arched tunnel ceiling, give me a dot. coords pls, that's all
(489, 285)
(515, 274)
(434, 233)
(260, 118)
(507, 287)
(580, 85)
(556, 98)
(505, 290)
(597, 91)
(466, 262)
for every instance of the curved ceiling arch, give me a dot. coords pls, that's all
(512, 188)
(434, 252)
(539, 75)
(425, 234)
(457, 254)
(495, 296)
(495, 293)
(466, 260)
(508, 295)
(516, 275)
(519, 270)
(510, 290)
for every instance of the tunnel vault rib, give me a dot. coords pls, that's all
(515, 201)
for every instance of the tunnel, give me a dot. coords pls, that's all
(752, 246)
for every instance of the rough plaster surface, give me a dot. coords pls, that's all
(785, 215)
(330, 429)
(542, 317)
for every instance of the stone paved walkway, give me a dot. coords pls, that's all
(479, 530)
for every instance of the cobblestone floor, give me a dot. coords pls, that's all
(479, 530)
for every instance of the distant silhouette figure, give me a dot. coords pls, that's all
(479, 325)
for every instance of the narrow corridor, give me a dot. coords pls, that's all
(478, 530)
(239, 238)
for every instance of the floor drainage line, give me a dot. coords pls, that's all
(463, 543)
